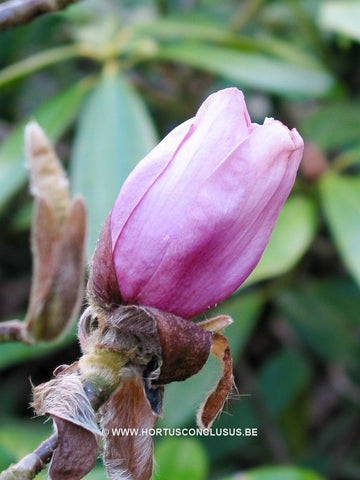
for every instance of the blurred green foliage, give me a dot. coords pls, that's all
(106, 79)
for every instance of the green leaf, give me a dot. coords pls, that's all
(180, 459)
(245, 310)
(333, 126)
(291, 238)
(37, 62)
(278, 473)
(15, 353)
(97, 473)
(341, 17)
(115, 131)
(295, 375)
(20, 438)
(202, 28)
(54, 116)
(251, 69)
(324, 318)
(340, 197)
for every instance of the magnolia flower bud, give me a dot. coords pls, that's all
(189, 225)
(192, 220)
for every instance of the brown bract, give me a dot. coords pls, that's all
(65, 400)
(128, 453)
(102, 285)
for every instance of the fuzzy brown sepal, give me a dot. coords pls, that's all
(128, 456)
(185, 347)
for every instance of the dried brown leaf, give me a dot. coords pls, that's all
(216, 399)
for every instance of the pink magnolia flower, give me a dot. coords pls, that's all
(189, 225)
(193, 219)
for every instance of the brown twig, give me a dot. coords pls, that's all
(18, 12)
(12, 331)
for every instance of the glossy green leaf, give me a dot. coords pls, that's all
(180, 459)
(37, 62)
(115, 131)
(333, 126)
(245, 310)
(324, 318)
(251, 69)
(16, 353)
(340, 197)
(278, 473)
(284, 376)
(201, 28)
(341, 16)
(54, 116)
(291, 238)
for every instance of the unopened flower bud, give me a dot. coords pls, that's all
(192, 220)
(58, 236)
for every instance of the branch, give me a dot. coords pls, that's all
(29, 466)
(13, 331)
(18, 12)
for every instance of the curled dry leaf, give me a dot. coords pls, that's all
(65, 400)
(216, 398)
(58, 241)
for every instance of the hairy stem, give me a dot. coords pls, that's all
(18, 12)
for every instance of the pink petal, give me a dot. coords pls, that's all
(158, 194)
(227, 225)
